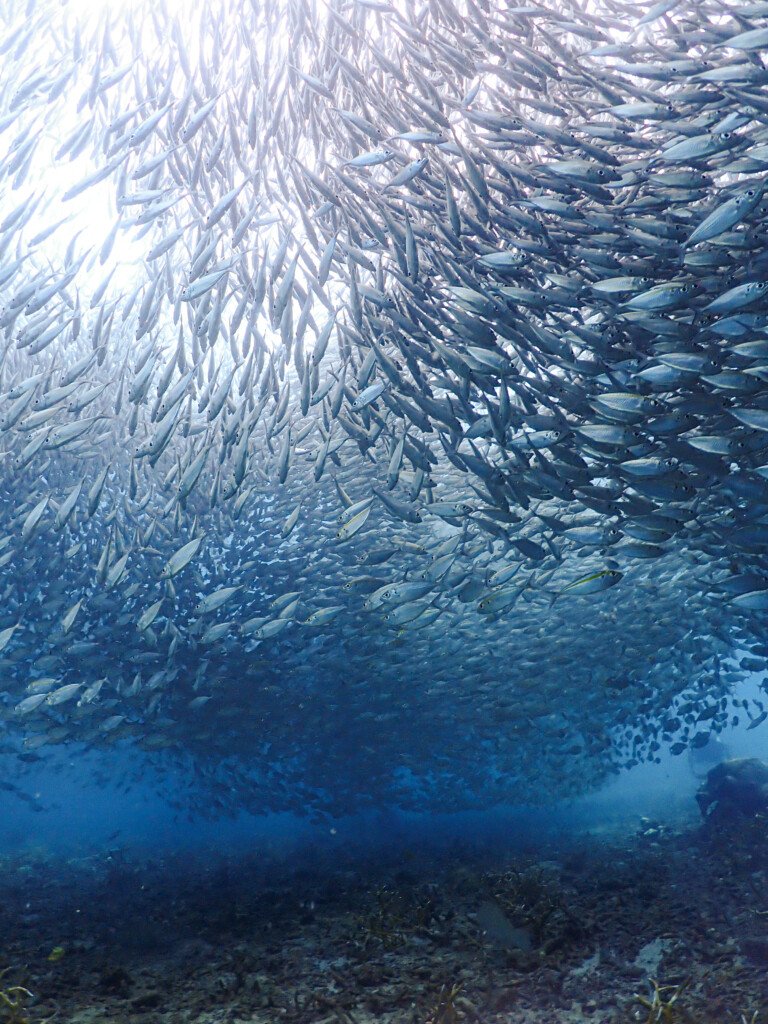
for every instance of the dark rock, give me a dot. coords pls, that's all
(733, 788)
(755, 948)
(146, 1001)
(115, 981)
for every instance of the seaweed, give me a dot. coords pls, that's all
(12, 1003)
(533, 898)
(446, 1010)
(664, 1005)
(395, 916)
(386, 923)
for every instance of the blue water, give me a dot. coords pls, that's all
(88, 801)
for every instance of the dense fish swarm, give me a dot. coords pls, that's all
(402, 434)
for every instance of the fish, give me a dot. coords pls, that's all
(180, 559)
(373, 363)
(594, 583)
(497, 927)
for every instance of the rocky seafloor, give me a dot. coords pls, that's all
(663, 926)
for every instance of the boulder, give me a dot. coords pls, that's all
(734, 788)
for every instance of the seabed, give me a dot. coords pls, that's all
(667, 925)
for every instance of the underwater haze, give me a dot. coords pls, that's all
(81, 805)
(383, 511)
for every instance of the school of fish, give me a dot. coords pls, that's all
(402, 434)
